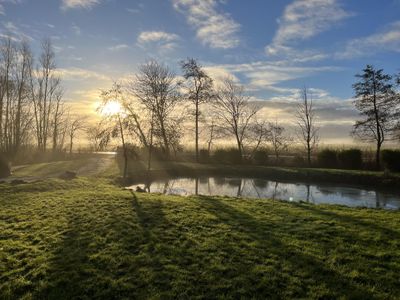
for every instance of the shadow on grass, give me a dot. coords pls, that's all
(307, 269)
(350, 220)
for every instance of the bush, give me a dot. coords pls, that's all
(4, 167)
(350, 159)
(204, 155)
(261, 157)
(391, 160)
(227, 156)
(297, 161)
(327, 158)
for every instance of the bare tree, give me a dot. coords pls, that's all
(75, 125)
(117, 118)
(46, 96)
(260, 133)
(199, 89)
(234, 110)
(278, 138)
(99, 136)
(376, 100)
(156, 88)
(15, 66)
(307, 130)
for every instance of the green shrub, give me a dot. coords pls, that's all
(4, 167)
(391, 160)
(298, 161)
(261, 157)
(204, 155)
(327, 158)
(227, 156)
(350, 159)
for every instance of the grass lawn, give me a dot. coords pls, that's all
(87, 238)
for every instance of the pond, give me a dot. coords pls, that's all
(261, 188)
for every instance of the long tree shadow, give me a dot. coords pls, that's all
(350, 220)
(311, 269)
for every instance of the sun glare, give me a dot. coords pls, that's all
(111, 108)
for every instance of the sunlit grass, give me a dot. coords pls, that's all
(88, 238)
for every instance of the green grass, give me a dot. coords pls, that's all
(48, 169)
(88, 238)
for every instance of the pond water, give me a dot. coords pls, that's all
(261, 188)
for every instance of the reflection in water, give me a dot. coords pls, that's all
(260, 188)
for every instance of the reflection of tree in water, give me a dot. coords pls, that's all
(342, 191)
(260, 183)
(219, 180)
(204, 180)
(234, 181)
(166, 186)
(277, 193)
(309, 195)
(380, 200)
(196, 186)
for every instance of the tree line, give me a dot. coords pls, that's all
(156, 103)
(32, 108)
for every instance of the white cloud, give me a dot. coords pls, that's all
(86, 4)
(79, 74)
(2, 9)
(302, 20)
(217, 30)
(264, 75)
(118, 47)
(14, 32)
(163, 40)
(76, 29)
(386, 40)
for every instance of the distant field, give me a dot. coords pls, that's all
(88, 238)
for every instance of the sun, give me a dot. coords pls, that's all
(111, 108)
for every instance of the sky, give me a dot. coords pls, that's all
(274, 48)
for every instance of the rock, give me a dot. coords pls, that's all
(68, 175)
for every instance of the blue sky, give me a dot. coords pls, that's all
(273, 47)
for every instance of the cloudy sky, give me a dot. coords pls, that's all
(273, 47)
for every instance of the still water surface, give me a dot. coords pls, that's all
(261, 188)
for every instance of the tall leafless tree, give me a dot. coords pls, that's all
(233, 108)
(47, 96)
(15, 75)
(157, 89)
(307, 130)
(278, 138)
(199, 89)
(76, 124)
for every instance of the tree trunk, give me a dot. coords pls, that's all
(309, 154)
(123, 148)
(378, 156)
(197, 131)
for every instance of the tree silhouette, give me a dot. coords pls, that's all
(199, 89)
(307, 129)
(376, 100)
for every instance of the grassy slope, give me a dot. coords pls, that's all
(91, 239)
